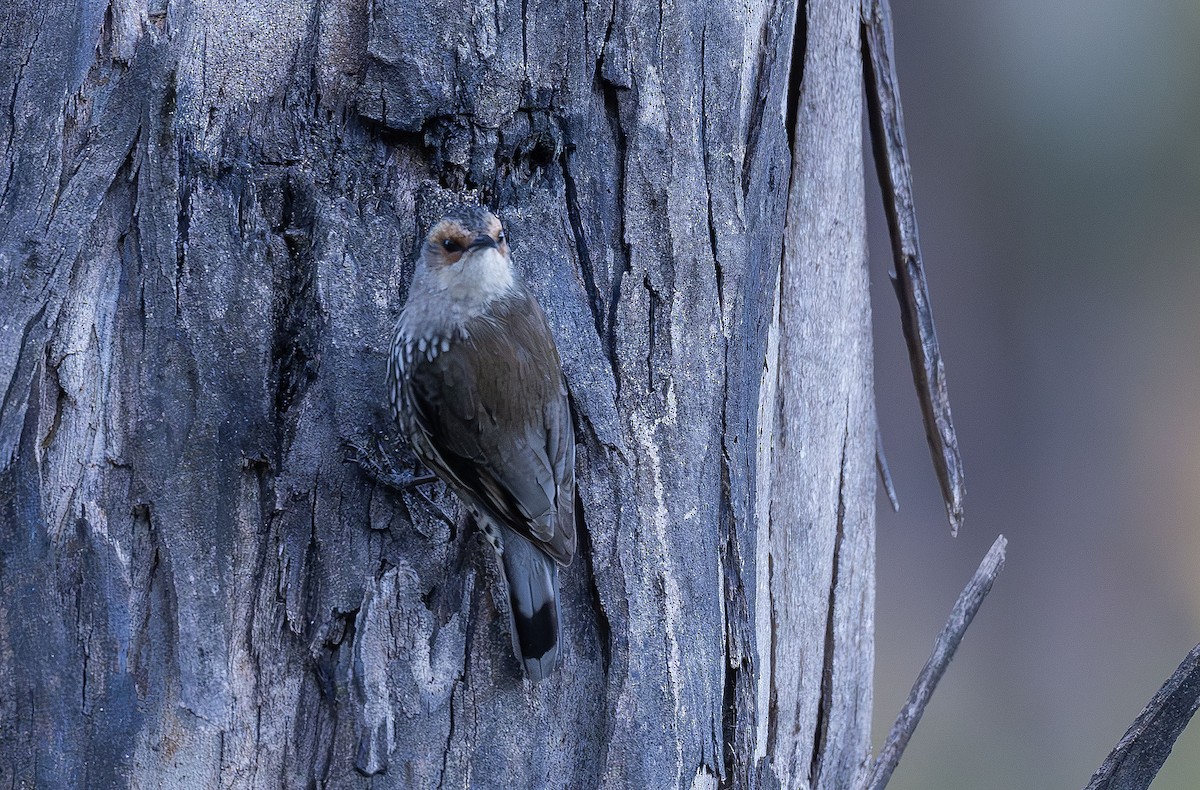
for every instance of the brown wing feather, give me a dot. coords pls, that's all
(491, 417)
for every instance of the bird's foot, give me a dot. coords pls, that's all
(386, 464)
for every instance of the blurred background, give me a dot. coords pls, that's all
(1056, 156)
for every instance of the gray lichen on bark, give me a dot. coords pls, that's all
(207, 220)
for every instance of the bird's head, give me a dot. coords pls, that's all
(464, 235)
(464, 266)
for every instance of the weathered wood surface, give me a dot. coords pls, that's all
(208, 213)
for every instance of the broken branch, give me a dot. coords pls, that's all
(1141, 752)
(943, 651)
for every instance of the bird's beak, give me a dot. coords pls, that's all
(482, 240)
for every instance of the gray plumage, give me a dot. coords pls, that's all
(475, 382)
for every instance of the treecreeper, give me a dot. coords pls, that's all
(475, 383)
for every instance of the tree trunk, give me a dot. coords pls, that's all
(208, 218)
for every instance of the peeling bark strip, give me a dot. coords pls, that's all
(207, 225)
(1141, 752)
(916, 313)
(816, 533)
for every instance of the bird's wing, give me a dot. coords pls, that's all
(560, 448)
(493, 412)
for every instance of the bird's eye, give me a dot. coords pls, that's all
(501, 237)
(450, 245)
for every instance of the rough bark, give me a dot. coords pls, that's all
(208, 214)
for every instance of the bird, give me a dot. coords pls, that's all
(476, 384)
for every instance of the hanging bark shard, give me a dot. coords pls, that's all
(916, 312)
(885, 474)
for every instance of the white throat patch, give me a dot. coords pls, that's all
(479, 277)
(450, 296)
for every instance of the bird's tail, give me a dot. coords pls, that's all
(533, 600)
